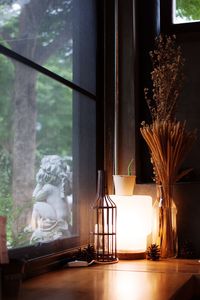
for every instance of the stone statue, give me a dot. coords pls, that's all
(51, 215)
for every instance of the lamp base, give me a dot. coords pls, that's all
(106, 262)
(131, 255)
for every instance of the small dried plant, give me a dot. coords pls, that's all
(167, 78)
(129, 172)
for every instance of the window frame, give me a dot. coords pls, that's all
(166, 21)
(55, 249)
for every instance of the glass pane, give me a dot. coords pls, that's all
(57, 34)
(186, 11)
(36, 157)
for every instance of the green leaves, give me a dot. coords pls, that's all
(129, 167)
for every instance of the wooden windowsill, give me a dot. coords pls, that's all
(139, 279)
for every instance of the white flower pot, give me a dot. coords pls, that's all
(124, 184)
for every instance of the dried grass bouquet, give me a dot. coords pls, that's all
(168, 140)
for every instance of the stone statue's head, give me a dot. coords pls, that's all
(54, 170)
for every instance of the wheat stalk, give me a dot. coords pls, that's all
(168, 142)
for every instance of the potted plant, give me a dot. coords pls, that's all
(124, 184)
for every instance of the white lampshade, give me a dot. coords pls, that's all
(134, 219)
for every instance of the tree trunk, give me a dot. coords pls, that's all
(24, 141)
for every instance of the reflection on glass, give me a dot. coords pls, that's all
(35, 155)
(185, 11)
(40, 31)
(56, 34)
(36, 112)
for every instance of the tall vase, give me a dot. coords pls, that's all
(164, 231)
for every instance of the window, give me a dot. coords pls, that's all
(48, 121)
(179, 16)
(186, 11)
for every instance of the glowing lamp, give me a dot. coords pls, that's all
(134, 221)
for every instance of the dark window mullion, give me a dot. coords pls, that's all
(41, 69)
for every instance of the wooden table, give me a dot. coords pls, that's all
(126, 280)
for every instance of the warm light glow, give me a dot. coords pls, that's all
(134, 220)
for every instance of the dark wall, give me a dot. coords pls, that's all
(187, 195)
(189, 102)
(127, 62)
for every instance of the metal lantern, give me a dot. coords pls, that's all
(104, 232)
